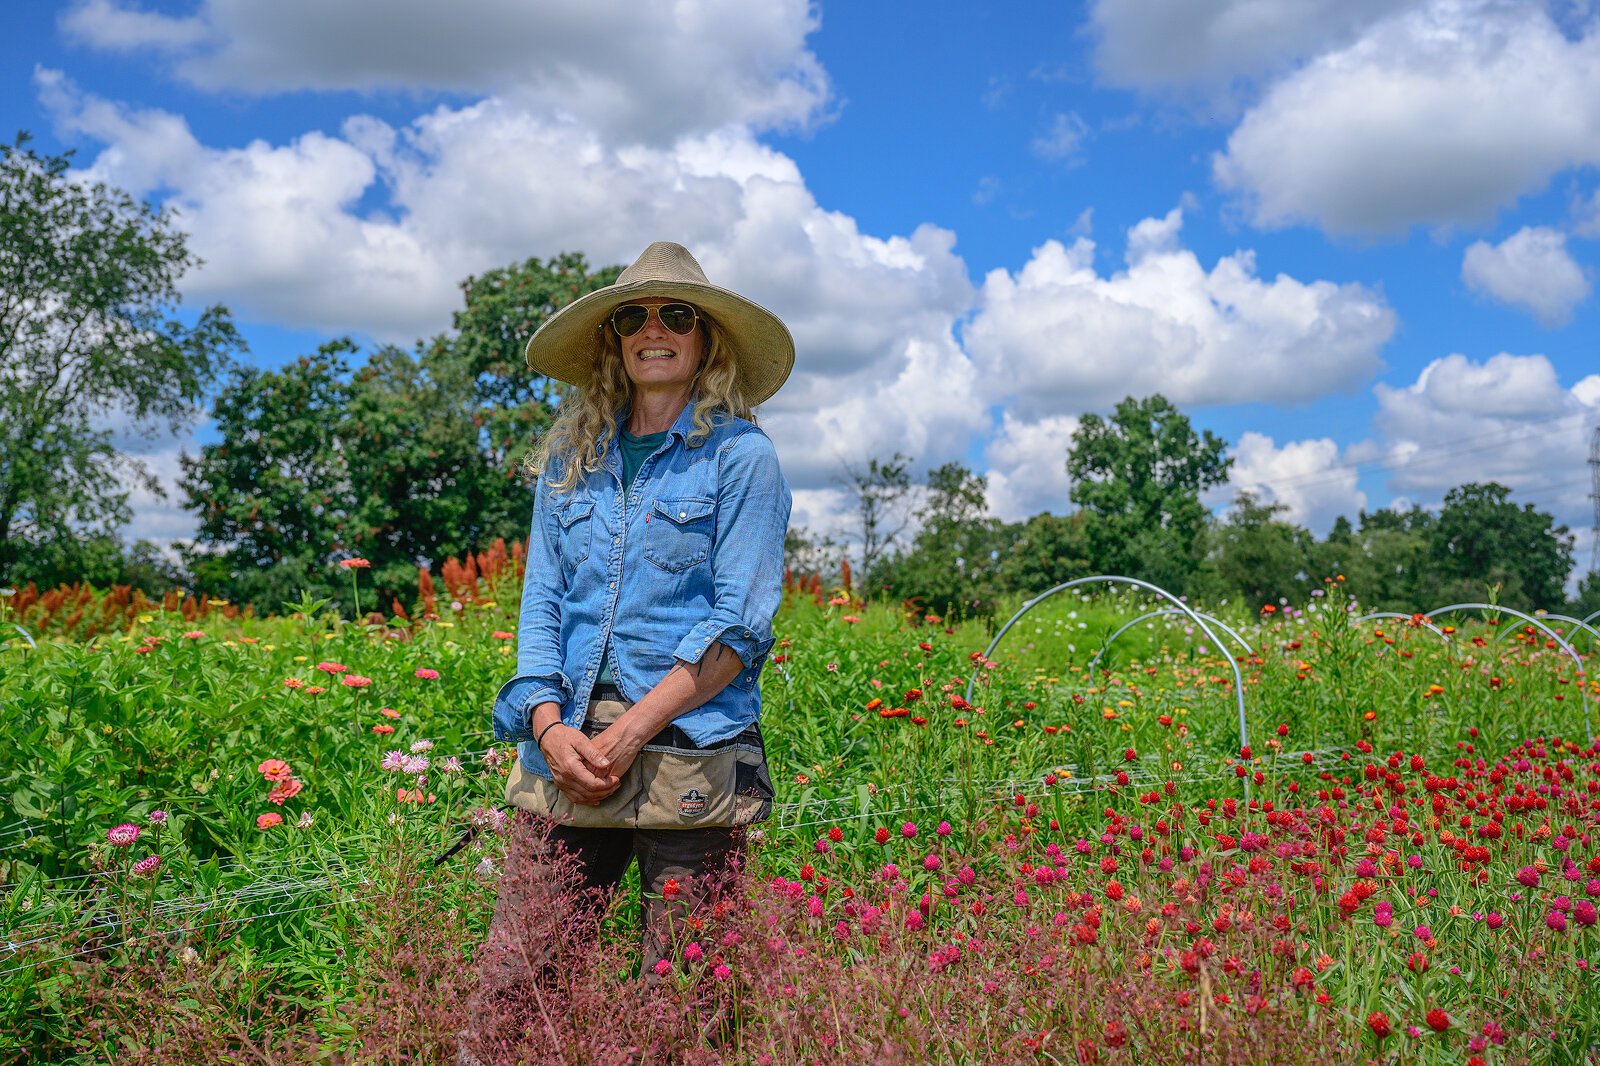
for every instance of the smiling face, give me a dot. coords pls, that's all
(659, 360)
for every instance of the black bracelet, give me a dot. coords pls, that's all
(539, 740)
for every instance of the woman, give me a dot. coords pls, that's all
(654, 567)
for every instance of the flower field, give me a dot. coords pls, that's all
(218, 834)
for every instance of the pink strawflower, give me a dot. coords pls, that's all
(420, 746)
(427, 674)
(147, 865)
(394, 760)
(305, 820)
(123, 835)
(157, 817)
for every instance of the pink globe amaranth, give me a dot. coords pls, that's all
(1556, 921)
(1528, 877)
(1584, 913)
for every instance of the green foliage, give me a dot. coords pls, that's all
(1267, 560)
(879, 495)
(953, 565)
(1045, 551)
(88, 284)
(1484, 544)
(406, 460)
(1139, 476)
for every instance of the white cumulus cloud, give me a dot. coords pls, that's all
(1058, 337)
(637, 70)
(1435, 115)
(1307, 477)
(1531, 270)
(1028, 467)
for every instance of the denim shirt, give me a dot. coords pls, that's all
(692, 554)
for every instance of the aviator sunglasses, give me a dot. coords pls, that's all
(675, 318)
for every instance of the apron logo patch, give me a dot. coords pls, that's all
(692, 803)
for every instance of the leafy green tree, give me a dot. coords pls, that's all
(510, 405)
(88, 290)
(1588, 599)
(1482, 541)
(953, 563)
(317, 462)
(1139, 476)
(1261, 557)
(1045, 551)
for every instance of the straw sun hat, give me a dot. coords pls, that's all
(567, 346)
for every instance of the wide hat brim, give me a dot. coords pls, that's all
(568, 345)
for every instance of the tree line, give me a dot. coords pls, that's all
(408, 456)
(1137, 478)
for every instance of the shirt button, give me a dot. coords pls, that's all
(683, 514)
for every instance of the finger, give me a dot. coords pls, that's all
(591, 754)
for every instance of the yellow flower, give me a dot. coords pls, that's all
(147, 618)
(301, 658)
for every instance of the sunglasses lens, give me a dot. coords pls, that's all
(629, 319)
(679, 318)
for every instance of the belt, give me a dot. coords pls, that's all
(607, 691)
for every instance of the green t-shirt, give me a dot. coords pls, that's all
(634, 451)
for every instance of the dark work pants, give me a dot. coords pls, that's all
(701, 861)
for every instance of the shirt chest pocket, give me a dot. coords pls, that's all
(679, 532)
(573, 523)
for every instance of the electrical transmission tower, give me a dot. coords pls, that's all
(1594, 477)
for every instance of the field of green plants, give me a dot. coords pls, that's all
(218, 839)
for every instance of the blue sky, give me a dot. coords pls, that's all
(1355, 238)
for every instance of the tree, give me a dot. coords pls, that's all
(1139, 477)
(1482, 542)
(1045, 551)
(511, 406)
(88, 287)
(316, 462)
(953, 563)
(1262, 558)
(879, 494)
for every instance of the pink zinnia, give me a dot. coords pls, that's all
(147, 865)
(355, 681)
(284, 790)
(275, 770)
(501, 634)
(332, 668)
(123, 835)
(194, 634)
(268, 820)
(427, 674)
(355, 564)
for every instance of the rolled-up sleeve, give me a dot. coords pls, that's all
(540, 677)
(752, 516)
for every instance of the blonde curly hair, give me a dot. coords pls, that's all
(586, 423)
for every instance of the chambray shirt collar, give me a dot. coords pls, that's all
(681, 426)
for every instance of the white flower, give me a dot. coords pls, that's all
(421, 746)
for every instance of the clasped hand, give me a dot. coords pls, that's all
(587, 771)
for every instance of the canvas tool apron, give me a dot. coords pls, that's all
(672, 784)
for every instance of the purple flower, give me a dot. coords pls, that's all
(157, 817)
(123, 835)
(147, 865)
